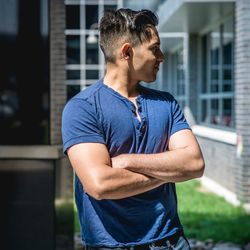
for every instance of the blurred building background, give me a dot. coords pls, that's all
(35, 179)
(49, 52)
(207, 69)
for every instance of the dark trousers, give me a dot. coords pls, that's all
(176, 242)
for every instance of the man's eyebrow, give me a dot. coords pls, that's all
(156, 43)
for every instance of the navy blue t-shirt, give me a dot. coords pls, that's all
(100, 114)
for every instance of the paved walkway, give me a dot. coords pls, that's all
(210, 245)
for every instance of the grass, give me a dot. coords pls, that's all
(207, 216)
(64, 217)
(76, 221)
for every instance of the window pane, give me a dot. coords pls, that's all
(215, 119)
(73, 74)
(180, 82)
(92, 49)
(204, 64)
(228, 51)
(215, 45)
(214, 61)
(110, 7)
(204, 115)
(180, 57)
(215, 74)
(91, 16)
(72, 16)
(73, 49)
(182, 104)
(72, 90)
(24, 77)
(227, 112)
(227, 80)
(214, 80)
(228, 36)
(180, 73)
(92, 74)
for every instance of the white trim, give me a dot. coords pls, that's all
(220, 190)
(210, 1)
(215, 134)
(171, 34)
(31, 152)
(186, 44)
(217, 95)
(74, 32)
(74, 2)
(247, 207)
(84, 66)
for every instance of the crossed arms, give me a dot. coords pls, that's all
(131, 174)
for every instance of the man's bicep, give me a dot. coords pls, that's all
(183, 139)
(89, 160)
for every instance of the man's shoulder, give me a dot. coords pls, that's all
(83, 100)
(157, 94)
(88, 92)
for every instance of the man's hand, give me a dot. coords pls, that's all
(120, 161)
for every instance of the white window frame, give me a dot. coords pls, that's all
(220, 95)
(82, 31)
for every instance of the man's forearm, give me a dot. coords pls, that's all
(171, 166)
(100, 180)
(122, 183)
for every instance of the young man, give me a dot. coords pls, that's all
(129, 144)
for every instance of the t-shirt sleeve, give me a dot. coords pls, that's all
(80, 124)
(179, 121)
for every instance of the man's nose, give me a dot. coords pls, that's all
(161, 57)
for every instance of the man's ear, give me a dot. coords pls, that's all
(126, 51)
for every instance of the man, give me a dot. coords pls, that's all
(129, 144)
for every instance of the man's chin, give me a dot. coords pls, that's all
(150, 80)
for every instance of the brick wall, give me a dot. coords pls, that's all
(58, 95)
(57, 68)
(242, 96)
(220, 161)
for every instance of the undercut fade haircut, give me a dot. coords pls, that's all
(127, 25)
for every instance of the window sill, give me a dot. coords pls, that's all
(215, 134)
(31, 152)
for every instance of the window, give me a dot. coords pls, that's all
(217, 97)
(178, 77)
(72, 90)
(73, 49)
(92, 49)
(72, 17)
(91, 16)
(85, 62)
(24, 78)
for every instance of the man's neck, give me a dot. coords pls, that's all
(121, 81)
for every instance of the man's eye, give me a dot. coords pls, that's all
(155, 48)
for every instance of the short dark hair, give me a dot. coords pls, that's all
(134, 26)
